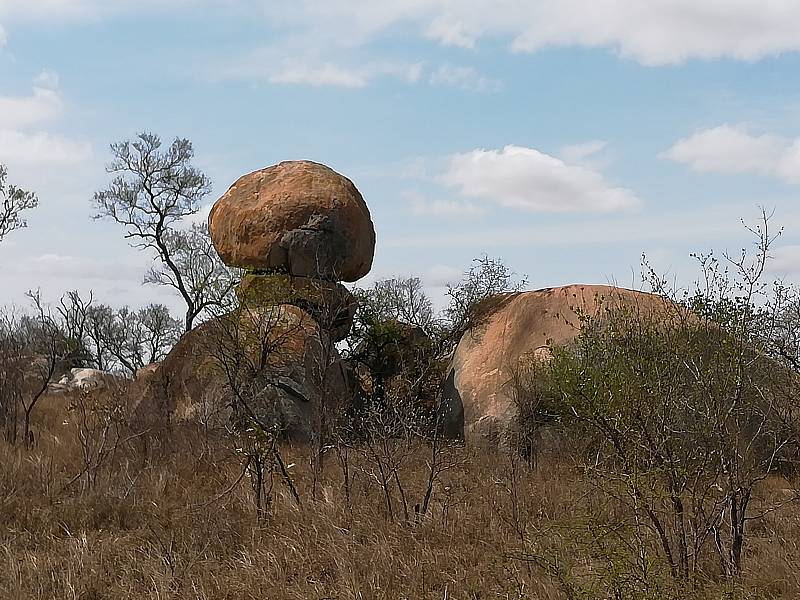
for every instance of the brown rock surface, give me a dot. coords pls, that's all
(190, 385)
(476, 397)
(331, 304)
(297, 217)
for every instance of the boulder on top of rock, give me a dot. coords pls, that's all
(477, 401)
(331, 304)
(298, 217)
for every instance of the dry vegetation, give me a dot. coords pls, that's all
(161, 518)
(659, 462)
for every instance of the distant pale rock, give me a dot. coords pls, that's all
(87, 379)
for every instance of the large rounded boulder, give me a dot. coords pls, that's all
(478, 399)
(275, 358)
(300, 218)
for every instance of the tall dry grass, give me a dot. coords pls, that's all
(162, 520)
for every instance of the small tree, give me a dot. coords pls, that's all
(13, 201)
(153, 191)
(133, 339)
(45, 349)
(13, 359)
(252, 347)
(486, 279)
(125, 340)
(394, 331)
(101, 326)
(395, 299)
(72, 314)
(206, 279)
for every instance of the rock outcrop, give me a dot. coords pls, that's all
(477, 401)
(298, 228)
(298, 217)
(193, 383)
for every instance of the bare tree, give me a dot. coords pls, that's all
(486, 279)
(13, 359)
(205, 278)
(131, 340)
(72, 315)
(101, 337)
(386, 436)
(153, 190)
(398, 299)
(160, 332)
(255, 348)
(34, 348)
(47, 348)
(101, 327)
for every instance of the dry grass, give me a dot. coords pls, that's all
(150, 527)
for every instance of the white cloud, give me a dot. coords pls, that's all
(117, 282)
(656, 32)
(41, 148)
(322, 75)
(465, 78)
(450, 33)
(526, 179)
(20, 111)
(667, 31)
(78, 268)
(788, 167)
(420, 205)
(3, 36)
(83, 10)
(201, 216)
(727, 149)
(734, 149)
(632, 229)
(44, 8)
(22, 142)
(439, 276)
(785, 260)
(578, 153)
(47, 80)
(267, 65)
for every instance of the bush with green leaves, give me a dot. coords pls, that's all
(677, 410)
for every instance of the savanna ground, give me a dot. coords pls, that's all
(164, 517)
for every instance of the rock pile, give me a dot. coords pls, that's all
(298, 229)
(302, 227)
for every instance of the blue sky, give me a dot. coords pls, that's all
(566, 137)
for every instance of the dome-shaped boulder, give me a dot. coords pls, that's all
(300, 218)
(478, 392)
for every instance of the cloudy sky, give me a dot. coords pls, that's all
(566, 136)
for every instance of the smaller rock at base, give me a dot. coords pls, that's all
(331, 305)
